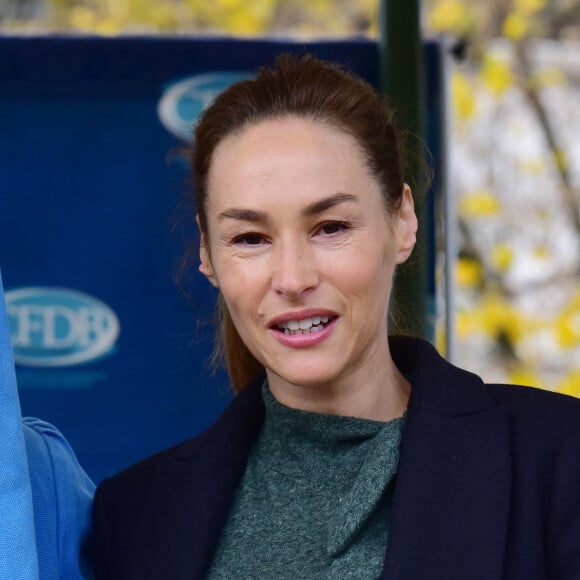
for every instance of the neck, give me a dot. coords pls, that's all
(368, 396)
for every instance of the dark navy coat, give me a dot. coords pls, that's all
(488, 485)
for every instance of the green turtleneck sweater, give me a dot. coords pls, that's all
(314, 500)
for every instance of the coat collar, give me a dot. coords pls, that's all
(192, 490)
(451, 504)
(437, 385)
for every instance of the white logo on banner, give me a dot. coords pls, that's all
(57, 327)
(183, 101)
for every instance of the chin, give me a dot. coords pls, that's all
(309, 377)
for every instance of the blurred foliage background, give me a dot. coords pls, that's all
(187, 16)
(516, 174)
(515, 153)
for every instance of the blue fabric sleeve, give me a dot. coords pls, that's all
(18, 557)
(62, 495)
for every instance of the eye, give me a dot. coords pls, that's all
(249, 239)
(332, 227)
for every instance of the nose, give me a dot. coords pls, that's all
(294, 269)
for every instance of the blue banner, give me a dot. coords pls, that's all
(106, 347)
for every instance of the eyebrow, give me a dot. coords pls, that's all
(258, 216)
(241, 214)
(328, 203)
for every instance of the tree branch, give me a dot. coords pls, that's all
(533, 96)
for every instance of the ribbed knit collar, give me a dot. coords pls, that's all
(360, 455)
(319, 428)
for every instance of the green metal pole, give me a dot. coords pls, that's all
(402, 79)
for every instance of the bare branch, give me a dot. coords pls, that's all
(533, 96)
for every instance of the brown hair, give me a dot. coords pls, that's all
(302, 87)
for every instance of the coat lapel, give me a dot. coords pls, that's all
(192, 492)
(451, 505)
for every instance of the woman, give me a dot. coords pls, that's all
(360, 456)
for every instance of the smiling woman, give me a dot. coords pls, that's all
(296, 228)
(346, 453)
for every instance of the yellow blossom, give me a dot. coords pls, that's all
(83, 19)
(479, 204)
(244, 22)
(566, 326)
(463, 96)
(108, 27)
(529, 6)
(450, 16)
(498, 317)
(465, 324)
(522, 376)
(515, 26)
(440, 338)
(496, 75)
(494, 317)
(570, 384)
(567, 334)
(121, 11)
(468, 272)
(228, 4)
(163, 16)
(501, 257)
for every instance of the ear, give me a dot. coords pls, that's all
(406, 225)
(205, 266)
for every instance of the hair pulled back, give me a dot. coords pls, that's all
(302, 87)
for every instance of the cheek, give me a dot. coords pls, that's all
(231, 272)
(365, 270)
(365, 284)
(241, 286)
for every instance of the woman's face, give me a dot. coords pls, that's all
(303, 251)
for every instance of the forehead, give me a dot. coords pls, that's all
(285, 133)
(298, 156)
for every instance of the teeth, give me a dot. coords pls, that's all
(304, 326)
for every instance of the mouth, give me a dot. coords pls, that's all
(309, 325)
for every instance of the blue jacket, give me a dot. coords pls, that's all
(62, 495)
(45, 496)
(488, 485)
